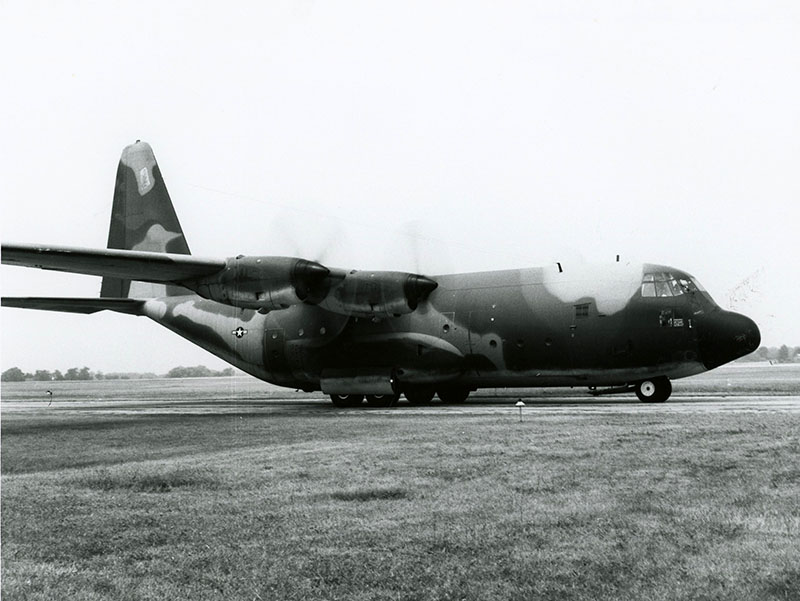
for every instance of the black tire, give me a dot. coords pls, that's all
(453, 395)
(347, 400)
(654, 390)
(382, 400)
(420, 395)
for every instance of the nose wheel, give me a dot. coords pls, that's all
(654, 390)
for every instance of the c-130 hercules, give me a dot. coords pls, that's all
(300, 324)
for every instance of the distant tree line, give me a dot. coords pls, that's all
(775, 354)
(15, 374)
(199, 371)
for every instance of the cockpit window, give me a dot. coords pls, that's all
(663, 289)
(688, 285)
(662, 284)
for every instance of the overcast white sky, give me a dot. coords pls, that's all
(427, 136)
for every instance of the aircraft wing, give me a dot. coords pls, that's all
(76, 305)
(260, 283)
(126, 264)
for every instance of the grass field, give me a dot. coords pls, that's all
(359, 504)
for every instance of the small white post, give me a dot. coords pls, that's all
(520, 404)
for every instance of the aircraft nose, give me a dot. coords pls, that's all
(726, 336)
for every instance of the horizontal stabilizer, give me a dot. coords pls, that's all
(126, 264)
(76, 305)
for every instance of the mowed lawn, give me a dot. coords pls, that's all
(398, 504)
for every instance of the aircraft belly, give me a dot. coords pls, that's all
(579, 378)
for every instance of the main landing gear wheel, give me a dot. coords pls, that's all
(347, 400)
(382, 400)
(654, 390)
(453, 395)
(419, 396)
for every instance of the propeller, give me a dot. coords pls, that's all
(317, 239)
(414, 245)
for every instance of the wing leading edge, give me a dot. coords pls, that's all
(126, 264)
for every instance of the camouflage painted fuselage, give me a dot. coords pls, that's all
(529, 327)
(297, 323)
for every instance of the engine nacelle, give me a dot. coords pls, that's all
(271, 283)
(378, 294)
(264, 283)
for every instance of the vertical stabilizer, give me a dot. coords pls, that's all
(142, 218)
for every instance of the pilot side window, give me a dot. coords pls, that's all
(648, 285)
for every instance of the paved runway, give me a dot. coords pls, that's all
(304, 404)
(730, 388)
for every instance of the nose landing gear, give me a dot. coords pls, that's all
(654, 390)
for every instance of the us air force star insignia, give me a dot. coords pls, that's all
(239, 332)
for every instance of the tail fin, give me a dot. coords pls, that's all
(142, 218)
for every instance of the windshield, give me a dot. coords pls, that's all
(698, 285)
(661, 284)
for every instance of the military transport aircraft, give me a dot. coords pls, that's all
(301, 324)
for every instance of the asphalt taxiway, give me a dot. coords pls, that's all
(301, 404)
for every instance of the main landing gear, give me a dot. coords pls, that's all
(347, 400)
(418, 395)
(652, 390)
(356, 400)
